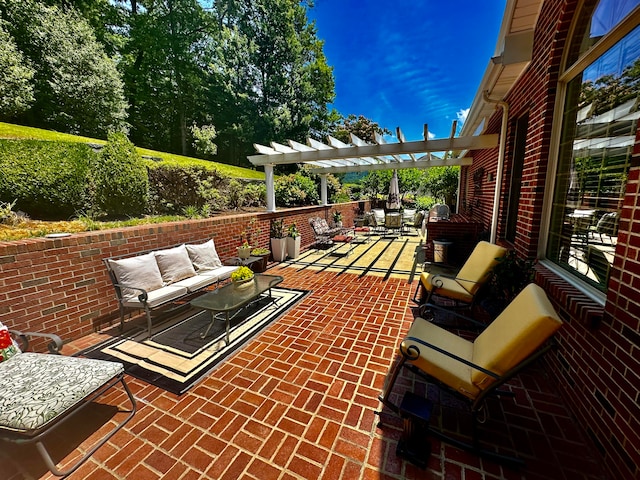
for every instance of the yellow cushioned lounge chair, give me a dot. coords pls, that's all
(474, 369)
(464, 286)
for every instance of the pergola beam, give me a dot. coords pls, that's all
(434, 162)
(389, 149)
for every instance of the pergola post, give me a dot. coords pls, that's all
(323, 189)
(271, 191)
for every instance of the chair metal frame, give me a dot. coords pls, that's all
(475, 405)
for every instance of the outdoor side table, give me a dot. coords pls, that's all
(230, 297)
(237, 261)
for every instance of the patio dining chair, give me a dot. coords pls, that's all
(40, 392)
(474, 370)
(463, 287)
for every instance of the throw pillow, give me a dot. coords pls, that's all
(204, 256)
(8, 347)
(141, 272)
(174, 264)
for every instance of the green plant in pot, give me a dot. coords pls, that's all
(508, 278)
(264, 253)
(293, 241)
(278, 240)
(242, 276)
(337, 218)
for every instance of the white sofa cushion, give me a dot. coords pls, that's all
(158, 297)
(204, 256)
(222, 273)
(141, 272)
(174, 264)
(197, 282)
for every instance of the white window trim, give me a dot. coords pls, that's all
(568, 74)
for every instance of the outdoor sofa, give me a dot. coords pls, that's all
(157, 278)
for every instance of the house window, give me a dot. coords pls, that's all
(599, 128)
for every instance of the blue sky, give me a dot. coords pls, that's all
(408, 62)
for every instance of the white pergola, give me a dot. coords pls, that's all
(358, 156)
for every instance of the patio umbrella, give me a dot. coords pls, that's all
(393, 200)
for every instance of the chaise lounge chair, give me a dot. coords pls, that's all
(473, 370)
(41, 392)
(463, 287)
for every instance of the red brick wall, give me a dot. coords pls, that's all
(597, 364)
(61, 285)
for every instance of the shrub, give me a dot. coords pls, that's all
(119, 181)
(175, 187)
(295, 190)
(47, 180)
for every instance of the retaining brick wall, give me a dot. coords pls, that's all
(597, 364)
(61, 285)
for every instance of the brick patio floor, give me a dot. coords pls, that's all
(298, 402)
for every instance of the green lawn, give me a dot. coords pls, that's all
(11, 131)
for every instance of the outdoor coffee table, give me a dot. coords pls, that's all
(231, 297)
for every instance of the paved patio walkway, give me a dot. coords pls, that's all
(298, 403)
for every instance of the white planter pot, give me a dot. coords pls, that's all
(279, 249)
(293, 247)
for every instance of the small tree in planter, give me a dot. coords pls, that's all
(278, 240)
(293, 241)
(337, 218)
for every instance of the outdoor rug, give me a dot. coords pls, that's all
(176, 358)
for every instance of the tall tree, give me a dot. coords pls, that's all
(77, 87)
(16, 89)
(272, 80)
(164, 64)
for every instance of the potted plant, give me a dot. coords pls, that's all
(293, 241)
(263, 253)
(244, 250)
(242, 277)
(278, 240)
(337, 218)
(508, 278)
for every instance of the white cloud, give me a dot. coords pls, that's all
(462, 115)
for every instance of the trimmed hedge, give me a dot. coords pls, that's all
(47, 180)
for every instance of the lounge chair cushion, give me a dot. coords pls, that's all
(446, 286)
(512, 336)
(478, 267)
(174, 264)
(141, 272)
(453, 373)
(204, 256)
(37, 388)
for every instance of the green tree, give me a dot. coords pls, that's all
(16, 89)
(442, 182)
(272, 80)
(77, 87)
(165, 70)
(360, 126)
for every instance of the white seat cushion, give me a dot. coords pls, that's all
(223, 272)
(36, 388)
(158, 297)
(196, 282)
(140, 272)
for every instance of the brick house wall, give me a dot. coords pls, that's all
(597, 364)
(61, 285)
